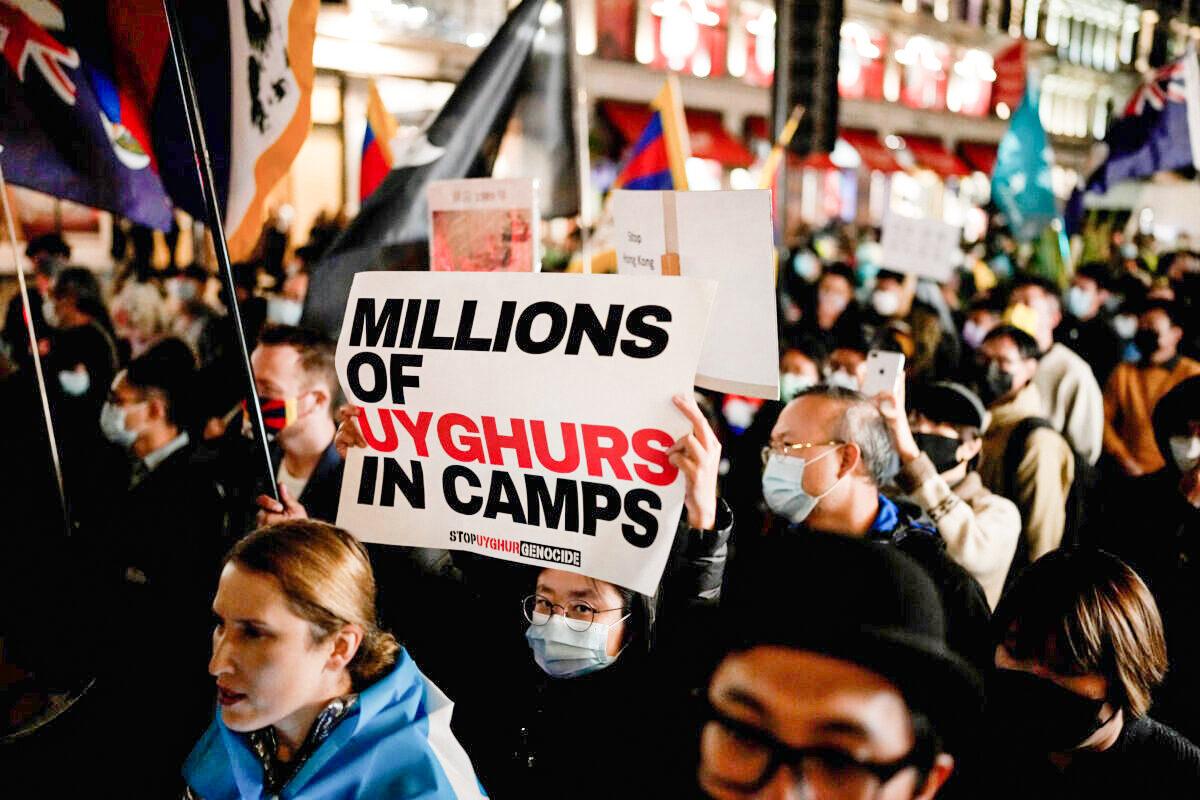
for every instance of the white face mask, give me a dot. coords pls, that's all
(791, 384)
(1186, 452)
(843, 380)
(50, 313)
(885, 302)
(973, 334)
(834, 301)
(74, 383)
(1125, 326)
(284, 311)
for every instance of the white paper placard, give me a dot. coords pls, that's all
(927, 248)
(521, 418)
(726, 237)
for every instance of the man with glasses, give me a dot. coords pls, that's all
(829, 456)
(836, 682)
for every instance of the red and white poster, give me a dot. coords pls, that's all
(484, 225)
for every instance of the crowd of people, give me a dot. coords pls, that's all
(975, 585)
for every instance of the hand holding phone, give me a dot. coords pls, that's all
(884, 372)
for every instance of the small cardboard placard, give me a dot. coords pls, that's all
(484, 225)
(927, 248)
(721, 236)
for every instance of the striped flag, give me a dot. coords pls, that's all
(659, 156)
(377, 159)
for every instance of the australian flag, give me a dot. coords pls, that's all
(1160, 129)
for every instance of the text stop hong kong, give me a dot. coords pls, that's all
(524, 418)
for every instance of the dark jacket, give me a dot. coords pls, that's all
(966, 606)
(1095, 341)
(1149, 761)
(324, 488)
(158, 560)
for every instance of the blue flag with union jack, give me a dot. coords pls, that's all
(90, 108)
(1160, 129)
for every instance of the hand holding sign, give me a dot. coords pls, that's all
(698, 456)
(525, 419)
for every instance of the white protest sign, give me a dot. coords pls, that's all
(519, 417)
(722, 236)
(927, 248)
(484, 225)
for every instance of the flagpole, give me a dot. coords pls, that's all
(191, 109)
(33, 344)
(583, 157)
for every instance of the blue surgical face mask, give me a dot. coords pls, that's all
(112, 425)
(783, 486)
(74, 383)
(1079, 301)
(565, 653)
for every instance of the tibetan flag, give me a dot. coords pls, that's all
(658, 157)
(391, 230)
(90, 108)
(377, 159)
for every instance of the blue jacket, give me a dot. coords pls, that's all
(395, 743)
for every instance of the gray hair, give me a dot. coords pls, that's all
(863, 425)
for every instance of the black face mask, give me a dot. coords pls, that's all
(1146, 341)
(993, 383)
(942, 450)
(1038, 714)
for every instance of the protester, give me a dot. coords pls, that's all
(903, 322)
(829, 455)
(835, 678)
(140, 317)
(832, 314)
(156, 549)
(604, 655)
(195, 321)
(83, 351)
(983, 314)
(1134, 389)
(937, 457)
(297, 389)
(1027, 462)
(1089, 328)
(315, 700)
(1067, 386)
(1157, 530)
(847, 363)
(1080, 653)
(49, 255)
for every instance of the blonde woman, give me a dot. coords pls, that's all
(314, 699)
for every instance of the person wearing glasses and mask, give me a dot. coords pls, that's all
(833, 687)
(567, 685)
(1080, 653)
(830, 454)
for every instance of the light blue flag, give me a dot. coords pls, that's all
(1021, 179)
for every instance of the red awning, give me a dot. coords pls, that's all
(875, 154)
(931, 154)
(708, 136)
(755, 127)
(812, 161)
(980, 155)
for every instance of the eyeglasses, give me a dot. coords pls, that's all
(785, 449)
(578, 615)
(743, 758)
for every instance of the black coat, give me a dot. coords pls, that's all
(1149, 761)
(157, 563)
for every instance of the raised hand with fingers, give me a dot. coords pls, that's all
(348, 433)
(698, 456)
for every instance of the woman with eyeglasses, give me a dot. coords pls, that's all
(566, 685)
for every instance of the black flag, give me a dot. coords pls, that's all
(540, 142)
(392, 229)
